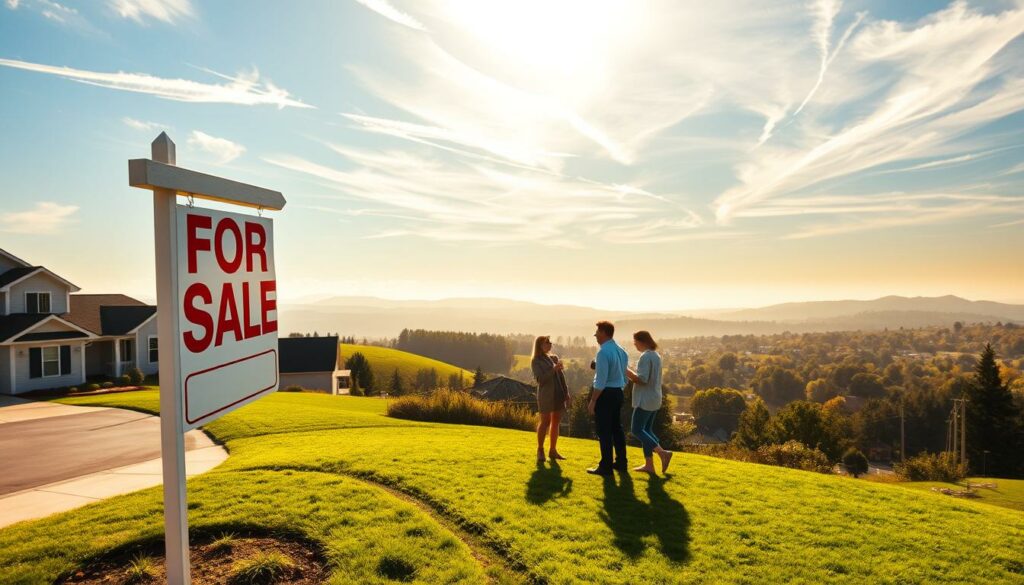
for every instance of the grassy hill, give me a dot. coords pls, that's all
(1008, 493)
(384, 360)
(468, 505)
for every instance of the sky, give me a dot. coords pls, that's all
(627, 155)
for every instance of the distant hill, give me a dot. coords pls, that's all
(381, 318)
(384, 360)
(819, 310)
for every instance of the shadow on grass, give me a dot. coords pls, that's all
(631, 519)
(546, 483)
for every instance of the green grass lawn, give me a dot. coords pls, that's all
(712, 521)
(1008, 493)
(384, 360)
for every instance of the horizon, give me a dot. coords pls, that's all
(716, 158)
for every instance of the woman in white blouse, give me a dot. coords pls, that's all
(647, 401)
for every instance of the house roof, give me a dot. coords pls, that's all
(503, 388)
(108, 314)
(307, 354)
(15, 274)
(12, 257)
(26, 271)
(11, 325)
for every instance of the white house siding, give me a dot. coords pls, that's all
(142, 347)
(40, 283)
(51, 327)
(23, 383)
(6, 264)
(5, 369)
(317, 381)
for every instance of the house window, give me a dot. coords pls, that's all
(126, 350)
(37, 302)
(154, 353)
(51, 361)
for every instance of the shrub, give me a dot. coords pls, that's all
(107, 384)
(292, 388)
(579, 417)
(855, 462)
(135, 377)
(92, 387)
(124, 380)
(223, 543)
(795, 455)
(931, 467)
(263, 567)
(450, 406)
(73, 389)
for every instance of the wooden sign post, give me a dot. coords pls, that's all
(216, 315)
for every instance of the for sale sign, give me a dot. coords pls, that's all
(227, 311)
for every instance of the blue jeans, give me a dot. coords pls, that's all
(642, 428)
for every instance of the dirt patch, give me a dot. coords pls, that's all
(236, 560)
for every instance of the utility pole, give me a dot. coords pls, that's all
(956, 414)
(963, 432)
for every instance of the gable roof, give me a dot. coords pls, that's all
(502, 388)
(16, 274)
(108, 314)
(22, 323)
(307, 354)
(24, 272)
(11, 325)
(12, 257)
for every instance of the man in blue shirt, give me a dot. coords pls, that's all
(606, 400)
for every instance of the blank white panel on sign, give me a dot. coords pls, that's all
(210, 392)
(227, 311)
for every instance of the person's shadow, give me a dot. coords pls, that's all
(631, 520)
(546, 483)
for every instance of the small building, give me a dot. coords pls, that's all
(505, 389)
(314, 363)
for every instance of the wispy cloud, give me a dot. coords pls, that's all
(57, 13)
(168, 11)
(44, 218)
(142, 125)
(244, 89)
(385, 9)
(222, 149)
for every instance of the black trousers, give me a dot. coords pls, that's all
(608, 424)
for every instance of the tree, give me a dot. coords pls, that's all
(478, 377)
(867, 385)
(455, 381)
(806, 422)
(717, 408)
(991, 421)
(396, 388)
(819, 390)
(728, 362)
(778, 385)
(855, 462)
(754, 426)
(362, 374)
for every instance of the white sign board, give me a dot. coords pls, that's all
(226, 311)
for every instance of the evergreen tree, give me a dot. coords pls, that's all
(754, 426)
(991, 421)
(396, 388)
(478, 377)
(361, 372)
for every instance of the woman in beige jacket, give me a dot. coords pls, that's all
(552, 395)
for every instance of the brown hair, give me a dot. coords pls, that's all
(537, 351)
(645, 338)
(606, 327)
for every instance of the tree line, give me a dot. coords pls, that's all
(492, 353)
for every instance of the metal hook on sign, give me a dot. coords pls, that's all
(259, 210)
(191, 201)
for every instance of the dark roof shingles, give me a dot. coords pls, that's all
(108, 314)
(307, 354)
(16, 273)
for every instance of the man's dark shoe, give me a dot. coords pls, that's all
(599, 471)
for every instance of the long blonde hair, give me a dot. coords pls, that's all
(537, 351)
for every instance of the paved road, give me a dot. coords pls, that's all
(44, 450)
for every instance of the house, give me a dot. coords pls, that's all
(314, 363)
(52, 338)
(504, 389)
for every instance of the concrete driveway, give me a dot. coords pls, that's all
(55, 457)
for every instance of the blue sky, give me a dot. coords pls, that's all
(636, 155)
